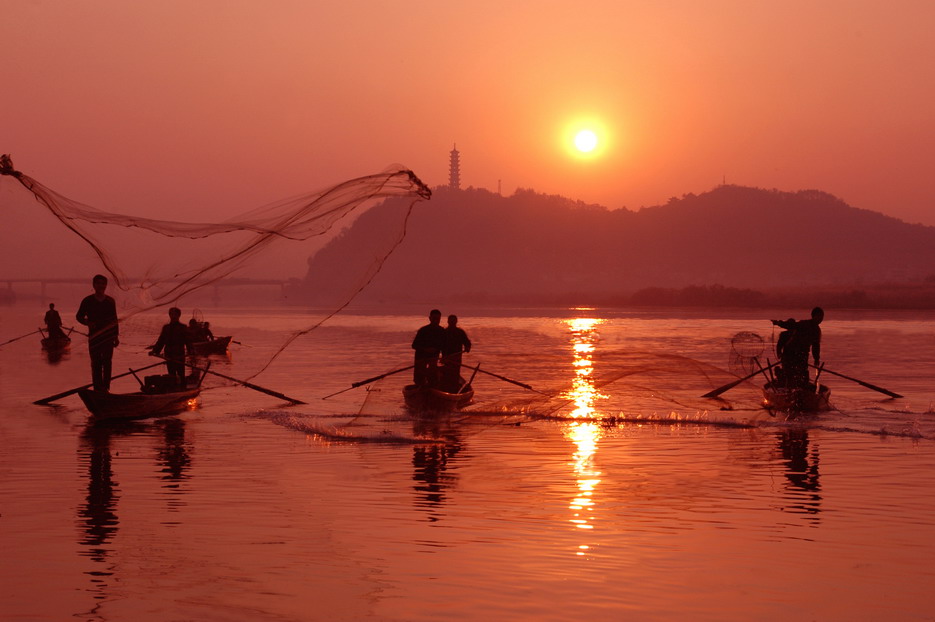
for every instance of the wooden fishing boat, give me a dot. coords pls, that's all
(217, 345)
(424, 398)
(138, 405)
(56, 344)
(796, 400)
(159, 396)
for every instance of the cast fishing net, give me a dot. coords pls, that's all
(746, 351)
(155, 263)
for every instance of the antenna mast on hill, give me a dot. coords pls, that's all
(454, 169)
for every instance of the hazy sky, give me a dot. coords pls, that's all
(206, 108)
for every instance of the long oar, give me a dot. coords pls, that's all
(510, 380)
(731, 385)
(20, 337)
(249, 385)
(860, 382)
(369, 380)
(47, 400)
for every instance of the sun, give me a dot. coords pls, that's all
(586, 138)
(586, 141)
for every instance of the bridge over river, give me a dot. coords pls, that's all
(33, 288)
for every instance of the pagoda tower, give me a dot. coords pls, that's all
(454, 169)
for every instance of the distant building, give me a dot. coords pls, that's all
(454, 169)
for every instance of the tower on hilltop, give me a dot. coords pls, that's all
(454, 169)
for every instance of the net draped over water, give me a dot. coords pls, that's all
(155, 263)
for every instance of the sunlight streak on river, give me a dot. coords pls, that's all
(584, 433)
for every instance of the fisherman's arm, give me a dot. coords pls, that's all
(157, 347)
(82, 314)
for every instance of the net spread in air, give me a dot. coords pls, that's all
(155, 263)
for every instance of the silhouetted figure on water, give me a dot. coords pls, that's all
(99, 313)
(176, 341)
(53, 323)
(200, 332)
(794, 344)
(456, 341)
(428, 344)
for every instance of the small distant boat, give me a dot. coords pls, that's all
(423, 398)
(217, 345)
(56, 344)
(796, 400)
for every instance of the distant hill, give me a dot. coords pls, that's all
(474, 245)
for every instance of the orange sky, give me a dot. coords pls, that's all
(215, 107)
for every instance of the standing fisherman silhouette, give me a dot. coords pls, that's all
(53, 323)
(456, 341)
(176, 340)
(793, 347)
(99, 313)
(428, 344)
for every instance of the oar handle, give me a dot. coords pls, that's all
(354, 385)
(731, 385)
(860, 382)
(375, 378)
(505, 379)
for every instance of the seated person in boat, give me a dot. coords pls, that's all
(196, 331)
(804, 336)
(53, 323)
(206, 331)
(428, 344)
(456, 342)
(174, 342)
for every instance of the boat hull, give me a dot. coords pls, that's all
(215, 346)
(422, 398)
(139, 405)
(796, 400)
(53, 344)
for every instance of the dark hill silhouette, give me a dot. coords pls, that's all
(474, 245)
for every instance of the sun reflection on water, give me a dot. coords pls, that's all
(584, 433)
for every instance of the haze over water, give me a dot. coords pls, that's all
(636, 500)
(623, 495)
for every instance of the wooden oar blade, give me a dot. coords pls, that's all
(52, 398)
(20, 337)
(726, 387)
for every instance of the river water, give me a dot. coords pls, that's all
(621, 494)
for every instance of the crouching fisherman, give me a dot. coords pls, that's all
(175, 343)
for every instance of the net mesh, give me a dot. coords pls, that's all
(155, 263)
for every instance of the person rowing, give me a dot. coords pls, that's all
(455, 343)
(428, 344)
(176, 341)
(793, 347)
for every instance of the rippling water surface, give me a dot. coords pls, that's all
(609, 491)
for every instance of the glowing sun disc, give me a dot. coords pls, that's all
(586, 141)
